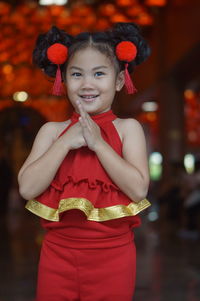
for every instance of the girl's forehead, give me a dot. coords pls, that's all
(89, 57)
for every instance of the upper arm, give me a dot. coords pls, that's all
(44, 139)
(134, 147)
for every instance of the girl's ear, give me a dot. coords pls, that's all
(120, 81)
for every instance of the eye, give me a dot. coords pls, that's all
(76, 74)
(99, 73)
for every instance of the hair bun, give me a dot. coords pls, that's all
(132, 33)
(45, 41)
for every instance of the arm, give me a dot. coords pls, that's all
(45, 158)
(129, 173)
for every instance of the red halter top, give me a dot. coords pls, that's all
(82, 183)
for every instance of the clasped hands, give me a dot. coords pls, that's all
(90, 130)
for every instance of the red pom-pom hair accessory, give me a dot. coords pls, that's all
(57, 54)
(126, 51)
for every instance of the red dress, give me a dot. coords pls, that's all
(84, 209)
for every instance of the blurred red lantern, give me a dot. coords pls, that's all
(4, 56)
(90, 20)
(107, 9)
(125, 2)
(144, 19)
(55, 10)
(30, 31)
(9, 77)
(75, 29)
(24, 9)
(156, 2)
(16, 18)
(41, 16)
(119, 18)
(81, 11)
(191, 101)
(7, 30)
(151, 116)
(5, 19)
(134, 11)
(102, 24)
(65, 19)
(5, 8)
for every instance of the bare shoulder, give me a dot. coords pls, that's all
(53, 129)
(128, 126)
(45, 137)
(126, 123)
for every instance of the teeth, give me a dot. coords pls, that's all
(89, 96)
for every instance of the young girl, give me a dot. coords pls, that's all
(87, 177)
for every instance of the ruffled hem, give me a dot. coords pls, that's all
(92, 213)
(92, 183)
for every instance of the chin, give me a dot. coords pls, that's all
(92, 111)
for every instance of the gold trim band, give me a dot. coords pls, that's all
(92, 213)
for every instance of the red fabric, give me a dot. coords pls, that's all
(82, 175)
(67, 274)
(81, 259)
(79, 232)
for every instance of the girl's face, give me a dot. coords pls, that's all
(91, 78)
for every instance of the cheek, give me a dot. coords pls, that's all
(110, 86)
(71, 85)
(108, 83)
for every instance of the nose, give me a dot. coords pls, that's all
(87, 83)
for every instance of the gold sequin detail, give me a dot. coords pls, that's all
(92, 213)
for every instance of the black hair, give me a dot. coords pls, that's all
(105, 42)
(43, 42)
(130, 32)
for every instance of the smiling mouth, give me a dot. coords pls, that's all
(88, 98)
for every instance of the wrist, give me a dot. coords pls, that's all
(99, 146)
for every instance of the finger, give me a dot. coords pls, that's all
(89, 120)
(84, 114)
(83, 122)
(81, 108)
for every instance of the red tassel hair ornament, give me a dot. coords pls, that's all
(57, 54)
(126, 51)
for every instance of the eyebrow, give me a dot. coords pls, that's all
(95, 68)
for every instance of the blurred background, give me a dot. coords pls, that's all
(167, 105)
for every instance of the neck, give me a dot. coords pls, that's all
(95, 113)
(99, 117)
